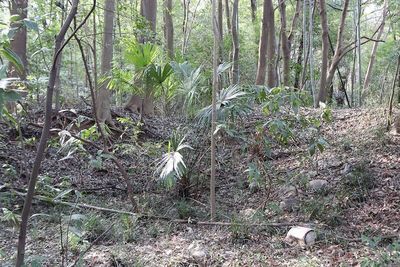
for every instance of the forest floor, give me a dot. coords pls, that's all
(356, 214)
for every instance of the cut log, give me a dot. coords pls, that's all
(303, 236)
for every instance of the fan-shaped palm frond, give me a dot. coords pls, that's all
(229, 105)
(190, 80)
(141, 55)
(172, 165)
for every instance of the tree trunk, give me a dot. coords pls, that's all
(228, 17)
(57, 87)
(311, 53)
(18, 43)
(262, 48)
(221, 37)
(235, 41)
(298, 62)
(215, 86)
(375, 47)
(104, 96)
(168, 28)
(253, 5)
(391, 100)
(43, 139)
(285, 45)
(325, 51)
(148, 9)
(305, 45)
(339, 46)
(358, 41)
(294, 23)
(95, 73)
(271, 46)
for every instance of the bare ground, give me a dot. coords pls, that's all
(361, 165)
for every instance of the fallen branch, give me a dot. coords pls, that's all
(163, 218)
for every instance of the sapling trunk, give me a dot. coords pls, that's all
(44, 137)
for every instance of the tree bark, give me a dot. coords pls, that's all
(148, 9)
(215, 87)
(104, 95)
(371, 63)
(57, 88)
(235, 42)
(358, 42)
(253, 5)
(325, 51)
(262, 48)
(305, 45)
(311, 53)
(271, 46)
(18, 42)
(285, 44)
(294, 23)
(168, 28)
(221, 36)
(298, 62)
(391, 100)
(228, 17)
(44, 137)
(339, 47)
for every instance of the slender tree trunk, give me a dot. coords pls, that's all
(254, 20)
(168, 28)
(375, 47)
(305, 45)
(311, 53)
(95, 72)
(271, 46)
(221, 37)
(104, 96)
(359, 70)
(382, 84)
(262, 48)
(353, 76)
(57, 88)
(391, 100)
(339, 46)
(294, 23)
(228, 17)
(285, 45)
(18, 43)
(325, 51)
(298, 62)
(43, 139)
(235, 41)
(215, 87)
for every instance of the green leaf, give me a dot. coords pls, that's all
(320, 147)
(13, 58)
(29, 24)
(15, 18)
(311, 150)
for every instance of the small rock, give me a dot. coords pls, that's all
(347, 169)
(289, 204)
(317, 185)
(288, 191)
(98, 258)
(247, 214)
(198, 252)
(312, 174)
